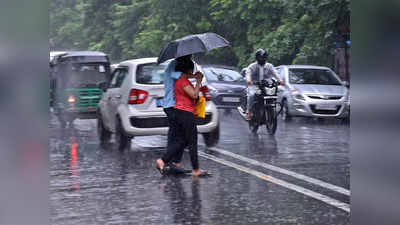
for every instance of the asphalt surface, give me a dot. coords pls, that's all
(299, 176)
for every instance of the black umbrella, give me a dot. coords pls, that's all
(191, 44)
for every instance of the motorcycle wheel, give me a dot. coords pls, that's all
(254, 122)
(271, 120)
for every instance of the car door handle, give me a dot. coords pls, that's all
(118, 96)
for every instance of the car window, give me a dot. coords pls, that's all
(114, 77)
(119, 76)
(222, 74)
(83, 75)
(312, 76)
(150, 73)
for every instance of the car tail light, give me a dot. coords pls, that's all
(206, 93)
(71, 99)
(137, 96)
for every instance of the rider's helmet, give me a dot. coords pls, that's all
(261, 56)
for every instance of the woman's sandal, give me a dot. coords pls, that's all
(203, 173)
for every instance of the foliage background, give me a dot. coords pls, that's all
(294, 32)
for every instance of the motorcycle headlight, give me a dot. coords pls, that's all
(270, 91)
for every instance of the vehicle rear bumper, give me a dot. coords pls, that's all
(81, 113)
(155, 123)
(218, 100)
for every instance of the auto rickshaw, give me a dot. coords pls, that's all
(77, 81)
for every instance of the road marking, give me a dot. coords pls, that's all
(312, 194)
(284, 171)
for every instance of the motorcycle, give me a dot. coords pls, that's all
(264, 109)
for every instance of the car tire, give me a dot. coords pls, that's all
(63, 123)
(62, 120)
(102, 132)
(71, 122)
(285, 111)
(211, 139)
(122, 140)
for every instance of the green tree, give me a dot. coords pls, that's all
(66, 18)
(292, 31)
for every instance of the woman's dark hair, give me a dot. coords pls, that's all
(184, 65)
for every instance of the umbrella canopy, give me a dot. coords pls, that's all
(191, 44)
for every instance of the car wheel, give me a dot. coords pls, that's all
(285, 111)
(211, 139)
(122, 140)
(71, 122)
(102, 132)
(63, 123)
(255, 120)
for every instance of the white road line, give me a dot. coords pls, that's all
(284, 171)
(312, 194)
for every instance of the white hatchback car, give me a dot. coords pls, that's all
(312, 91)
(128, 107)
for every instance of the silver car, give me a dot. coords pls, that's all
(128, 107)
(312, 91)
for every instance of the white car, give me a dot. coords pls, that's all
(128, 106)
(312, 91)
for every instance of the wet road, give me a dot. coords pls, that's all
(300, 176)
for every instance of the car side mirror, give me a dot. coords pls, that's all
(346, 83)
(103, 86)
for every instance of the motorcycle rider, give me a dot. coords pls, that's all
(258, 71)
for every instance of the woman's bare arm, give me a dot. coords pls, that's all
(192, 92)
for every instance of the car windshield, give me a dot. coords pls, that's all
(150, 73)
(222, 74)
(312, 76)
(86, 75)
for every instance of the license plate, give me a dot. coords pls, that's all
(230, 99)
(325, 107)
(158, 102)
(91, 108)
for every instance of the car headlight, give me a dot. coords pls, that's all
(299, 97)
(296, 95)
